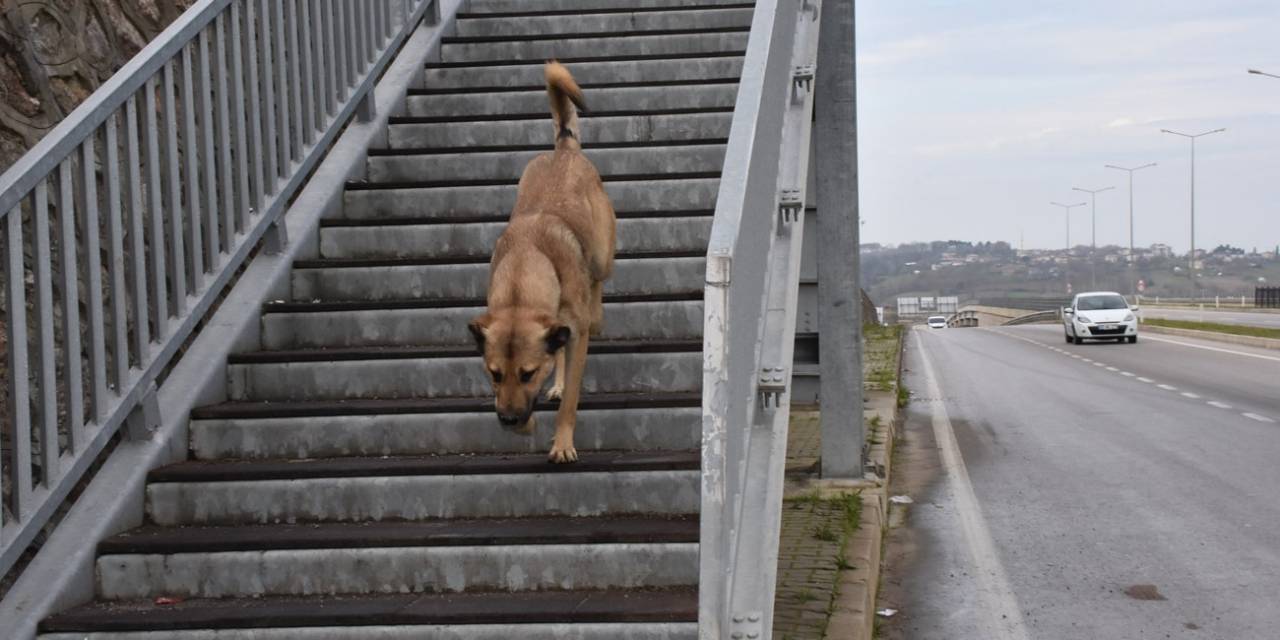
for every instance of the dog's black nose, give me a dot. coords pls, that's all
(508, 420)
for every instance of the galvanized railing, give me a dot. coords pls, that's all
(753, 269)
(125, 222)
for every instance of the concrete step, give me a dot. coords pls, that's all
(681, 231)
(664, 192)
(332, 325)
(468, 277)
(329, 436)
(450, 377)
(623, 19)
(520, 8)
(529, 73)
(642, 614)
(526, 135)
(389, 570)
(421, 488)
(405, 166)
(614, 43)
(702, 93)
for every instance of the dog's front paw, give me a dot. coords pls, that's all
(555, 392)
(561, 453)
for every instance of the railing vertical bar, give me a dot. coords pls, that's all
(281, 74)
(295, 76)
(243, 153)
(176, 266)
(267, 73)
(362, 38)
(70, 304)
(19, 384)
(115, 257)
(137, 272)
(338, 36)
(225, 177)
(380, 23)
(150, 128)
(324, 61)
(207, 153)
(190, 137)
(308, 79)
(93, 284)
(47, 372)
(258, 188)
(351, 41)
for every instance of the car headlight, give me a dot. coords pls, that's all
(1084, 319)
(1129, 318)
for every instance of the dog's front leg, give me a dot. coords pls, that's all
(562, 449)
(557, 388)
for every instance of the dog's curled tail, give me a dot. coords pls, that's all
(566, 100)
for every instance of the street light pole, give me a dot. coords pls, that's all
(1133, 286)
(1192, 137)
(1093, 238)
(1263, 73)
(1066, 208)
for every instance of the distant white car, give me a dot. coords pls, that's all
(937, 322)
(1099, 315)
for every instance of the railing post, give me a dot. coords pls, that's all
(839, 310)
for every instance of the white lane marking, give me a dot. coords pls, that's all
(1254, 416)
(1085, 360)
(1075, 356)
(1126, 374)
(1188, 394)
(1099, 364)
(1208, 348)
(1112, 369)
(1146, 380)
(1220, 405)
(1167, 387)
(1004, 618)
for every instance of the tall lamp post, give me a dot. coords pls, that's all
(1192, 266)
(1130, 170)
(1093, 237)
(1263, 73)
(1066, 208)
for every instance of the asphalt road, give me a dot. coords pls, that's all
(1223, 316)
(1085, 491)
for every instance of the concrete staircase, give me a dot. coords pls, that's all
(355, 484)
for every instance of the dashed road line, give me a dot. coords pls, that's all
(1126, 374)
(1188, 394)
(1259, 418)
(1220, 405)
(1167, 387)
(1112, 369)
(1146, 380)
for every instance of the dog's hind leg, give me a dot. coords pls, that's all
(562, 449)
(597, 308)
(557, 388)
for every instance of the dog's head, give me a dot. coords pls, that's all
(519, 350)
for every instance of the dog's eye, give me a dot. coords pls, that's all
(497, 375)
(526, 376)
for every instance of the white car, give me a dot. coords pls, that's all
(1099, 315)
(937, 322)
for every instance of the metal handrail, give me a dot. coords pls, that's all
(178, 167)
(752, 281)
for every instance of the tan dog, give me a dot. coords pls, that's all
(546, 278)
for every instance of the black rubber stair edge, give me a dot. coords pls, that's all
(480, 15)
(639, 57)
(448, 465)
(449, 351)
(426, 261)
(450, 220)
(434, 533)
(536, 607)
(450, 303)
(588, 86)
(542, 115)
(400, 406)
(587, 35)
(472, 149)
(504, 182)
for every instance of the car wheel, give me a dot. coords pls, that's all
(1078, 339)
(1133, 339)
(1120, 340)
(1068, 337)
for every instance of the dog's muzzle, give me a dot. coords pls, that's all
(516, 423)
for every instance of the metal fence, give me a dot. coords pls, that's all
(124, 223)
(1266, 297)
(753, 266)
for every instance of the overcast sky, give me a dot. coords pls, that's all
(973, 116)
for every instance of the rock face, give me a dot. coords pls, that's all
(54, 53)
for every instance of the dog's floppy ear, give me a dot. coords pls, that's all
(557, 337)
(479, 328)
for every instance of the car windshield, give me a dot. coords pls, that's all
(1100, 303)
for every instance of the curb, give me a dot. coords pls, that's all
(1214, 336)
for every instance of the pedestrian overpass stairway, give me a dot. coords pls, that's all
(355, 484)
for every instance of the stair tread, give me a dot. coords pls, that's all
(620, 605)
(298, 409)
(502, 182)
(444, 351)
(586, 86)
(465, 464)
(480, 15)
(542, 115)
(433, 533)
(423, 261)
(584, 35)
(445, 303)
(329, 223)
(475, 149)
